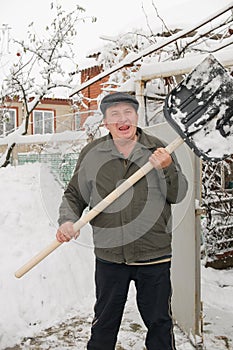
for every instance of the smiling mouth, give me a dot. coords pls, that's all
(124, 127)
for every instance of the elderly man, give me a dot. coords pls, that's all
(132, 237)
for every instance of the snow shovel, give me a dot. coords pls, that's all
(200, 109)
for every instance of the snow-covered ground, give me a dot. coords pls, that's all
(51, 306)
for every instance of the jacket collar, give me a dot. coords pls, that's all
(146, 140)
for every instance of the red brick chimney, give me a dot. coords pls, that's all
(93, 91)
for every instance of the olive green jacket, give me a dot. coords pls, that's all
(137, 226)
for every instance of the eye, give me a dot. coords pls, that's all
(128, 111)
(114, 115)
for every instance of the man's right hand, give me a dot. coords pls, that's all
(66, 232)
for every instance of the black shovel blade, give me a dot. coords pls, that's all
(200, 109)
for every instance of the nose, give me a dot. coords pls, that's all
(122, 118)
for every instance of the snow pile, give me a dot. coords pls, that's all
(30, 198)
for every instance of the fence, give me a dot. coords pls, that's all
(61, 165)
(217, 219)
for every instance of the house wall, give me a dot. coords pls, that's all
(64, 118)
(63, 114)
(93, 91)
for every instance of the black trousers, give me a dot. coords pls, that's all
(153, 293)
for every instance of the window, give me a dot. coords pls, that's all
(7, 121)
(43, 122)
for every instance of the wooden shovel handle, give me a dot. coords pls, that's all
(174, 145)
(97, 209)
(37, 258)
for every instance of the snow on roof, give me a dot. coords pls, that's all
(88, 62)
(156, 69)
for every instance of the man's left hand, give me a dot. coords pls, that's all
(160, 159)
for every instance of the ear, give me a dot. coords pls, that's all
(105, 123)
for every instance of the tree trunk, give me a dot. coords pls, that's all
(7, 161)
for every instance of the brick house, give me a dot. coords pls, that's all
(52, 115)
(91, 93)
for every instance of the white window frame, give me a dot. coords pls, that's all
(43, 120)
(3, 127)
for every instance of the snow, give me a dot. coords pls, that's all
(67, 135)
(28, 220)
(61, 287)
(155, 69)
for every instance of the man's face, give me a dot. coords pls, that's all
(121, 120)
